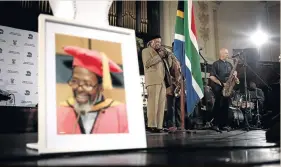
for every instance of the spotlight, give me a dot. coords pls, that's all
(259, 38)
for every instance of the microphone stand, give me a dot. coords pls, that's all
(246, 66)
(205, 70)
(205, 82)
(247, 126)
(209, 123)
(205, 76)
(144, 100)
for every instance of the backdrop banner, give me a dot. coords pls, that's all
(18, 66)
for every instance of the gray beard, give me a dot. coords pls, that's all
(85, 108)
(82, 108)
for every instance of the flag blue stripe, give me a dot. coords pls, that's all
(192, 97)
(179, 51)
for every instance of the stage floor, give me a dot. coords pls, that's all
(203, 148)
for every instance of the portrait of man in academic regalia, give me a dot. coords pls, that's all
(88, 110)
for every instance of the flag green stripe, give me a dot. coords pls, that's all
(179, 26)
(195, 64)
(191, 52)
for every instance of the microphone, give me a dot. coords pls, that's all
(4, 93)
(237, 54)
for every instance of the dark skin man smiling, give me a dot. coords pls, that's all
(86, 91)
(89, 112)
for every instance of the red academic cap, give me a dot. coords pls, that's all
(95, 62)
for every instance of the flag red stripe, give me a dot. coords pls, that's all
(193, 27)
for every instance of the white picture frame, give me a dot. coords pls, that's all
(48, 139)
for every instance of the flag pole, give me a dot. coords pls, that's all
(183, 91)
(182, 105)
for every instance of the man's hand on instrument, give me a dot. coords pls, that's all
(237, 81)
(235, 73)
(170, 90)
(162, 52)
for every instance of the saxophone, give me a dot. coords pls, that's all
(230, 83)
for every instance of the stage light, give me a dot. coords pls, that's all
(259, 38)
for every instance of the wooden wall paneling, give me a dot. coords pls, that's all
(144, 19)
(112, 18)
(131, 14)
(124, 15)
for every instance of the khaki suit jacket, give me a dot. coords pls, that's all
(154, 70)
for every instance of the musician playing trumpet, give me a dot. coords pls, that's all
(172, 116)
(221, 72)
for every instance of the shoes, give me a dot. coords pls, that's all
(226, 128)
(181, 129)
(172, 130)
(160, 131)
(154, 130)
(150, 130)
(165, 129)
(215, 128)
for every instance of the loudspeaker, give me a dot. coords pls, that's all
(252, 55)
(273, 133)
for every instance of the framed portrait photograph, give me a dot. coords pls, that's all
(89, 94)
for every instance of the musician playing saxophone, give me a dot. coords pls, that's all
(219, 75)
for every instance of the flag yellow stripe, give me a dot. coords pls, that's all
(180, 13)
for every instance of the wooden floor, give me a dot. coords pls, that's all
(203, 147)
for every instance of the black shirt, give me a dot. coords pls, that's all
(221, 70)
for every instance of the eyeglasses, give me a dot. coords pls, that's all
(158, 42)
(74, 83)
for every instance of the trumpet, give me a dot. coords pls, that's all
(166, 50)
(177, 83)
(177, 91)
(165, 47)
(168, 47)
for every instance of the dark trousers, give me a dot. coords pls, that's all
(220, 110)
(172, 116)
